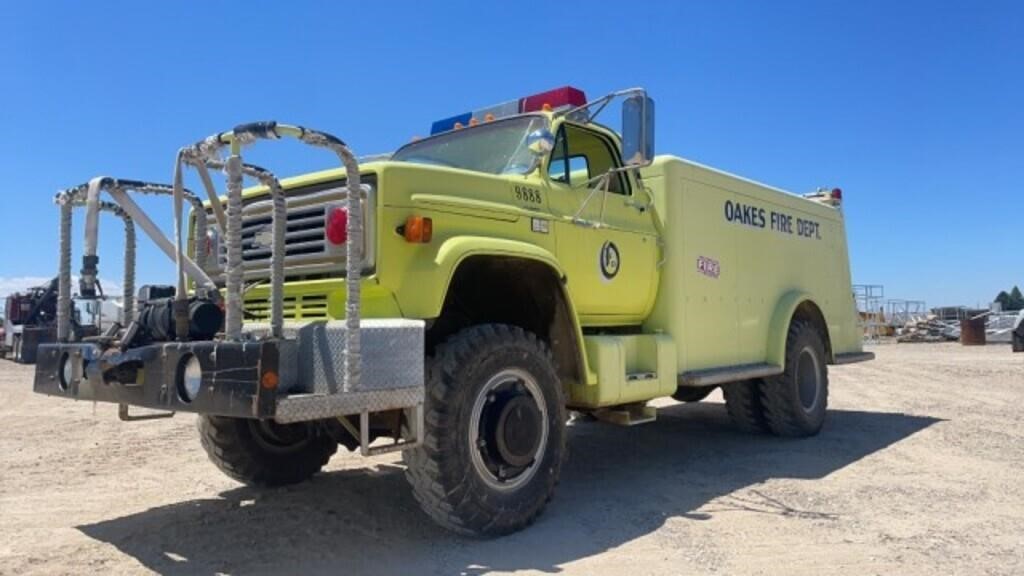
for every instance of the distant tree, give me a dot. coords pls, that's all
(1016, 299)
(1003, 298)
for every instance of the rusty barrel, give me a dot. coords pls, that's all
(972, 331)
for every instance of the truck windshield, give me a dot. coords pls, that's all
(497, 147)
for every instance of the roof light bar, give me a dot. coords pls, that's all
(558, 99)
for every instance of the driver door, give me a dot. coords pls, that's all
(604, 239)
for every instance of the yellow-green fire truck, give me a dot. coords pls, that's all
(456, 299)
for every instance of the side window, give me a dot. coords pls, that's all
(576, 173)
(581, 155)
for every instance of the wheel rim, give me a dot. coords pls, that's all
(508, 429)
(278, 438)
(808, 379)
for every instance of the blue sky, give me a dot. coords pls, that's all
(915, 109)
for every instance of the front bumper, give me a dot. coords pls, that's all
(293, 379)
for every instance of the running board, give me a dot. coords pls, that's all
(851, 357)
(714, 376)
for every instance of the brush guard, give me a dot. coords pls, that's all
(289, 372)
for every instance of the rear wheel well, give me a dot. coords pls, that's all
(515, 291)
(808, 311)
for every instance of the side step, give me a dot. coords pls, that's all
(629, 369)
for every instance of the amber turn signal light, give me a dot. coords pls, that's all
(418, 229)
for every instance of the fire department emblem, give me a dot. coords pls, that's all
(264, 237)
(609, 260)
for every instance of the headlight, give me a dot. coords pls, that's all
(66, 372)
(190, 379)
(212, 250)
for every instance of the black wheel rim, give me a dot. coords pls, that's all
(508, 429)
(808, 379)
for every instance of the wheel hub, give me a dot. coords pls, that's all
(508, 429)
(807, 376)
(518, 431)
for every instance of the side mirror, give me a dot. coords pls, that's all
(638, 129)
(540, 142)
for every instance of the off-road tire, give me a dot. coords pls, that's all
(784, 410)
(692, 393)
(743, 403)
(444, 479)
(238, 448)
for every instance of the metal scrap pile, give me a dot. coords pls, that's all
(928, 329)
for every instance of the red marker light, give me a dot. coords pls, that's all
(336, 229)
(837, 194)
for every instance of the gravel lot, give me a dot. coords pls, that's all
(920, 470)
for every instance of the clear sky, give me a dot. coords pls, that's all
(915, 109)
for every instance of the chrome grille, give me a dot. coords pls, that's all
(307, 252)
(304, 237)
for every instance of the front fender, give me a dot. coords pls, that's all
(426, 299)
(425, 278)
(455, 250)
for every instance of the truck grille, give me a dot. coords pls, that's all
(306, 307)
(304, 236)
(307, 252)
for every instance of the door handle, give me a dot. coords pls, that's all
(639, 206)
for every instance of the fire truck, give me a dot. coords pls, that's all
(455, 299)
(28, 321)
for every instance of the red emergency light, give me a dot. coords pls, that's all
(552, 100)
(557, 98)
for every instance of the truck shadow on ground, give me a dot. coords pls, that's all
(618, 485)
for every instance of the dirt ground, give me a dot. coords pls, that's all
(919, 470)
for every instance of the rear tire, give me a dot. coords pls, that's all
(743, 403)
(796, 401)
(494, 433)
(263, 453)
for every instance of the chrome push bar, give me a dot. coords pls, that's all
(204, 156)
(88, 195)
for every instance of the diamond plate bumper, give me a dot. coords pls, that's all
(309, 364)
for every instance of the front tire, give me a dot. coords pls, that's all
(494, 433)
(796, 401)
(263, 453)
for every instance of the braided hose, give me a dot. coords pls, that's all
(277, 253)
(64, 269)
(279, 223)
(128, 294)
(233, 284)
(180, 308)
(90, 259)
(353, 265)
(128, 289)
(247, 134)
